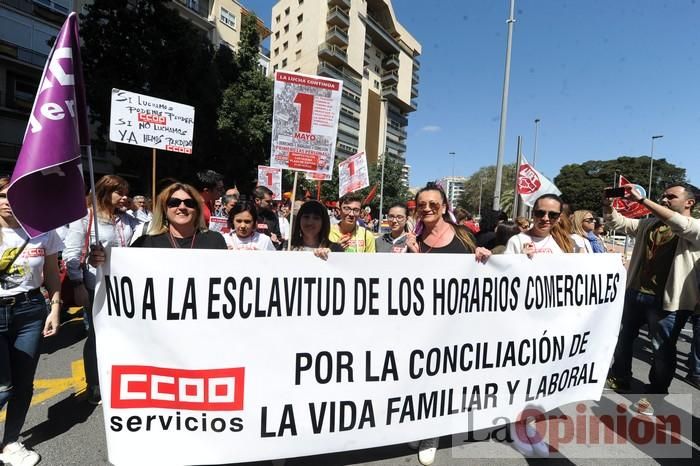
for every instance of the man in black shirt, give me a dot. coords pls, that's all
(268, 223)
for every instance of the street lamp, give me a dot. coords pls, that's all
(385, 104)
(454, 155)
(651, 163)
(534, 150)
(481, 188)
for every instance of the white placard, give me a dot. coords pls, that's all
(146, 121)
(305, 122)
(353, 174)
(247, 356)
(271, 178)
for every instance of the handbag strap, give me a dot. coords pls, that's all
(7, 267)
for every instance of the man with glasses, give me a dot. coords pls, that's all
(347, 233)
(659, 293)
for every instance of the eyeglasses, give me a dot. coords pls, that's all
(433, 205)
(588, 220)
(176, 201)
(539, 213)
(397, 218)
(347, 210)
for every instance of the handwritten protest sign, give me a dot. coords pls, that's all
(243, 364)
(305, 122)
(146, 121)
(353, 174)
(271, 178)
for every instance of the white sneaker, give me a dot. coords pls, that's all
(426, 450)
(539, 447)
(16, 454)
(521, 440)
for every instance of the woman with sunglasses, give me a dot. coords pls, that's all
(395, 240)
(115, 228)
(178, 222)
(24, 318)
(310, 230)
(243, 221)
(582, 223)
(437, 233)
(544, 236)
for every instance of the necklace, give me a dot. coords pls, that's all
(176, 245)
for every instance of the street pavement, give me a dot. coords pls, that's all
(66, 430)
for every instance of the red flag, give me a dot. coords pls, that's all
(370, 195)
(627, 208)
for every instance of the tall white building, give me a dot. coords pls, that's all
(454, 188)
(362, 43)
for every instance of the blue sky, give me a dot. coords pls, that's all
(602, 76)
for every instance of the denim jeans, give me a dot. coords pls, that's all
(664, 329)
(20, 336)
(634, 315)
(694, 355)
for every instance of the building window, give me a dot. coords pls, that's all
(274, 68)
(300, 18)
(376, 69)
(284, 63)
(285, 46)
(20, 91)
(227, 18)
(286, 28)
(299, 37)
(301, 2)
(277, 18)
(376, 84)
(297, 70)
(297, 54)
(277, 35)
(286, 11)
(277, 51)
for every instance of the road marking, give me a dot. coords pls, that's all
(46, 389)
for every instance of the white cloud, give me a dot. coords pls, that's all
(431, 129)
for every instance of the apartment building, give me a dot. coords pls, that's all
(362, 43)
(454, 188)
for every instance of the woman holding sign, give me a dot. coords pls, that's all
(24, 265)
(436, 232)
(311, 228)
(178, 222)
(115, 229)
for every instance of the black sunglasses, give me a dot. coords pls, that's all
(539, 213)
(176, 201)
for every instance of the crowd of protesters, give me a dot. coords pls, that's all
(183, 215)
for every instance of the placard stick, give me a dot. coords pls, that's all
(318, 190)
(153, 179)
(291, 211)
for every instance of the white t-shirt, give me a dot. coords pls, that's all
(545, 245)
(254, 242)
(583, 245)
(27, 271)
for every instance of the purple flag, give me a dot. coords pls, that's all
(47, 188)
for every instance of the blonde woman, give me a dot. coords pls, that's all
(582, 223)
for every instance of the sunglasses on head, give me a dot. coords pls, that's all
(176, 201)
(434, 205)
(539, 213)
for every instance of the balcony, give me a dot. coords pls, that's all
(414, 91)
(414, 104)
(196, 11)
(390, 77)
(337, 36)
(341, 3)
(326, 69)
(415, 77)
(390, 92)
(338, 17)
(22, 54)
(391, 62)
(333, 54)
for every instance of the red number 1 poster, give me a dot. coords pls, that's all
(305, 122)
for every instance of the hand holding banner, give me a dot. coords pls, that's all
(48, 166)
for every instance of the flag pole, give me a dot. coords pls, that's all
(291, 211)
(93, 194)
(153, 179)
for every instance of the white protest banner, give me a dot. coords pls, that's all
(146, 121)
(532, 184)
(305, 122)
(214, 351)
(219, 224)
(353, 174)
(271, 178)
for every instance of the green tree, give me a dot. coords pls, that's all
(484, 182)
(144, 46)
(582, 184)
(245, 114)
